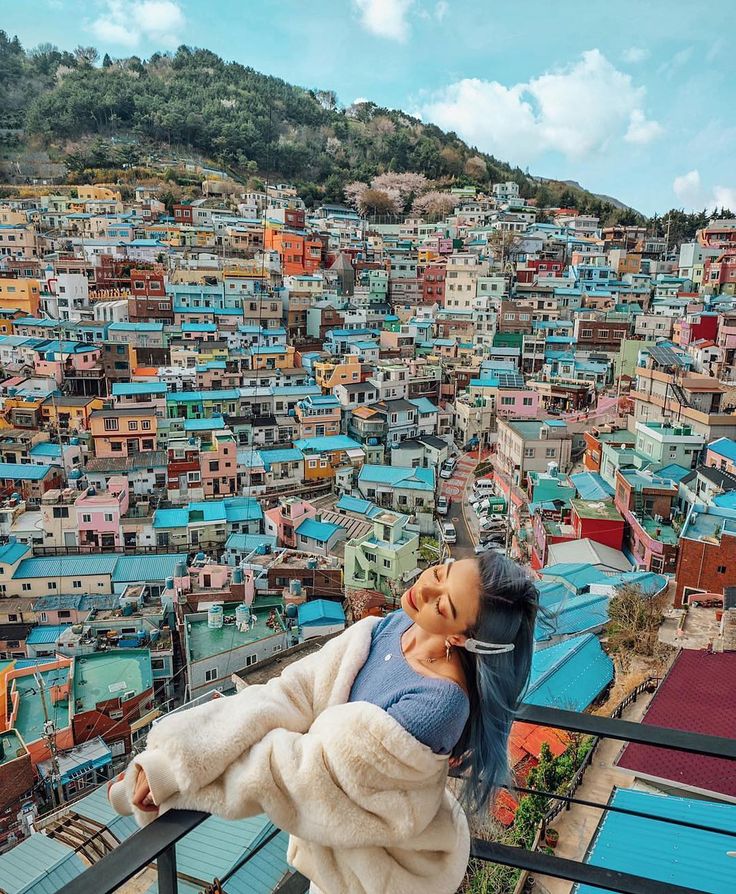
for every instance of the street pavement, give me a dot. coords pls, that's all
(454, 489)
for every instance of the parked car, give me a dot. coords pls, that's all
(448, 467)
(443, 505)
(492, 526)
(472, 444)
(449, 533)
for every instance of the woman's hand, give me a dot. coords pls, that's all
(142, 797)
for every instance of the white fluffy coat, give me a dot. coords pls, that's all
(364, 802)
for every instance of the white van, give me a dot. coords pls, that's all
(483, 487)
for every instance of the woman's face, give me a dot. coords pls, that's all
(445, 599)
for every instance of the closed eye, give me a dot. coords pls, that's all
(437, 607)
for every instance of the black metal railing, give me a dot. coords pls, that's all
(157, 842)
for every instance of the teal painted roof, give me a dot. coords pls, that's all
(241, 542)
(572, 615)
(591, 486)
(46, 634)
(360, 507)
(209, 511)
(676, 855)
(136, 327)
(38, 865)
(397, 476)
(575, 574)
(423, 405)
(23, 472)
(322, 532)
(12, 551)
(53, 451)
(124, 389)
(569, 675)
(327, 443)
(320, 611)
(210, 424)
(287, 455)
(65, 566)
(146, 568)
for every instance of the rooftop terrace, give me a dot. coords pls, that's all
(108, 675)
(204, 641)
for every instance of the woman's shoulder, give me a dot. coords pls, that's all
(392, 621)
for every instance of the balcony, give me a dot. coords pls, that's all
(158, 841)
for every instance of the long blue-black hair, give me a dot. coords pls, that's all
(496, 683)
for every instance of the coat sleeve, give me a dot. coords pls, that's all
(357, 778)
(189, 750)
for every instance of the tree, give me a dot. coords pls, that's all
(106, 61)
(476, 168)
(86, 55)
(634, 620)
(377, 201)
(434, 204)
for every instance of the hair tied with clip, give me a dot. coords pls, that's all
(481, 648)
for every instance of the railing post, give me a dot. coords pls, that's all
(166, 869)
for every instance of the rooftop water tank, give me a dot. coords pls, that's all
(295, 587)
(215, 617)
(155, 634)
(74, 442)
(200, 556)
(242, 614)
(169, 583)
(180, 570)
(15, 495)
(238, 576)
(291, 611)
(75, 474)
(127, 609)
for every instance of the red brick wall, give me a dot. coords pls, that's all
(698, 563)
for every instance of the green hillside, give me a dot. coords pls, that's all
(114, 115)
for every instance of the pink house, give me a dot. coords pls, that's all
(56, 359)
(218, 463)
(99, 515)
(515, 403)
(721, 455)
(282, 521)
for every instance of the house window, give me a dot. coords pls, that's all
(550, 451)
(27, 587)
(721, 569)
(529, 452)
(61, 512)
(527, 401)
(146, 424)
(51, 585)
(210, 675)
(250, 659)
(110, 423)
(586, 333)
(77, 585)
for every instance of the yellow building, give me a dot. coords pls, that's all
(328, 373)
(91, 193)
(23, 294)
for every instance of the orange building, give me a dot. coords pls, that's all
(300, 253)
(20, 294)
(325, 455)
(124, 431)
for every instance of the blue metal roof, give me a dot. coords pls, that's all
(39, 636)
(569, 675)
(124, 389)
(12, 551)
(677, 855)
(204, 424)
(65, 566)
(355, 504)
(591, 486)
(146, 568)
(572, 615)
(23, 471)
(423, 404)
(46, 448)
(322, 532)
(327, 443)
(397, 476)
(551, 592)
(287, 455)
(320, 611)
(40, 865)
(244, 542)
(725, 447)
(576, 574)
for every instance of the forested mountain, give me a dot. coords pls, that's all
(99, 118)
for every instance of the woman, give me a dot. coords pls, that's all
(349, 749)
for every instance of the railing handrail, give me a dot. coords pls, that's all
(158, 840)
(628, 731)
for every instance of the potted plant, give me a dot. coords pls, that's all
(551, 837)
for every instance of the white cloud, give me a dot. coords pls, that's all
(578, 111)
(385, 18)
(158, 21)
(642, 130)
(694, 196)
(440, 10)
(635, 54)
(681, 58)
(688, 188)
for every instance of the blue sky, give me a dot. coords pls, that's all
(631, 99)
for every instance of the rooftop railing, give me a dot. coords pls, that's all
(157, 842)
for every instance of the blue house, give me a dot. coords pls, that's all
(320, 617)
(570, 675)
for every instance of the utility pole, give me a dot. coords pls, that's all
(49, 731)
